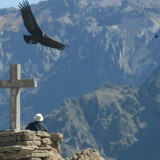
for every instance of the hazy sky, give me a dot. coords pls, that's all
(14, 3)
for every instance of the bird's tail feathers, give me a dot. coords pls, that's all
(28, 39)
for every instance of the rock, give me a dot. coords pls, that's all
(55, 137)
(87, 154)
(46, 141)
(42, 134)
(34, 143)
(27, 145)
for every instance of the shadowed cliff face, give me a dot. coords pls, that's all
(101, 120)
(120, 122)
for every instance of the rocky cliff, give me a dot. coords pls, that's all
(120, 122)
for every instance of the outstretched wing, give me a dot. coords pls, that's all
(52, 43)
(28, 18)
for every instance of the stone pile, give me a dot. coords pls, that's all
(87, 154)
(29, 145)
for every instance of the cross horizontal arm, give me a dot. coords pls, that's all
(18, 83)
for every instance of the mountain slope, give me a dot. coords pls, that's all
(101, 120)
(120, 122)
(105, 46)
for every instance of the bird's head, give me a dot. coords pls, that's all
(44, 35)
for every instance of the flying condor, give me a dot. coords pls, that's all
(37, 35)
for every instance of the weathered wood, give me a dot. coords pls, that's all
(15, 83)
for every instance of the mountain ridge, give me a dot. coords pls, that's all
(121, 122)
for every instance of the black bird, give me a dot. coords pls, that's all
(156, 36)
(37, 36)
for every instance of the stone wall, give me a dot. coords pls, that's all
(29, 145)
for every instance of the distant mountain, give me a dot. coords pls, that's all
(109, 42)
(120, 122)
(148, 144)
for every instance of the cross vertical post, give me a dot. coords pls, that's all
(15, 74)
